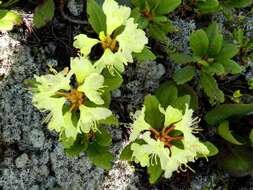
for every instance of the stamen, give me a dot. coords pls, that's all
(75, 97)
(110, 43)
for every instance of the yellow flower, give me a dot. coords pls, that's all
(171, 157)
(54, 93)
(117, 49)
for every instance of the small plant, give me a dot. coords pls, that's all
(153, 16)
(162, 138)
(119, 36)
(245, 44)
(77, 106)
(227, 6)
(233, 126)
(212, 56)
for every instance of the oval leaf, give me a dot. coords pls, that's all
(222, 112)
(224, 132)
(199, 42)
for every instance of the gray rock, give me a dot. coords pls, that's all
(22, 160)
(76, 7)
(37, 138)
(142, 80)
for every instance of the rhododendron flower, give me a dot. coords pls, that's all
(117, 49)
(54, 93)
(159, 144)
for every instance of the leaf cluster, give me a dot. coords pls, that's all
(153, 16)
(227, 6)
(211, 56)
(236, 135)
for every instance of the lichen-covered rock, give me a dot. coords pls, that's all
(21, 161)
(76, 7)
(141, 80)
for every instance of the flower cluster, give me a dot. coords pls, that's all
(66, 101)
(161, 145)
(76, 108)
(75, 100)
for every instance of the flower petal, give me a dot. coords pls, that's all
(70, 129)
(139, 124)
(131, 40)
(84, 43)
(55, 118)
(172, 115)
(113, 61)
(89, 117)
(116, 15)
(91, 86)
(139, 155)
(49, 84)
(82, 67)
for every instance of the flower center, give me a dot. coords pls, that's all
(75, 97)
(148, 14)
(165, 137)
(108, 42)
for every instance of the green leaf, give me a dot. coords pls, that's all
(97, 18)
(100, 155)
(181, 101)
(151, 4)
(75, 147)
(156, 32)
(112, 120)
(166, 94)
(214, 68)
(224, 131)
(103, 137)
(139, 3)
(225, 111)
(155, 172)
(181, 58)
(126, 153)
(231, 66)
(166, 6)
(227, 52)
(186, 89)
(167, 26)
(8, 19)
(213, 150)
(199, 42)
(211, 88)
(184, 74)
(145, 55)
(112, 82)
(152, 114)
(208, 6)
(107, 99)
(237, 3)
(139, 19)
(239, 36)
(251, 137)
(43, 13)
(238, 162)
(215, 39)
